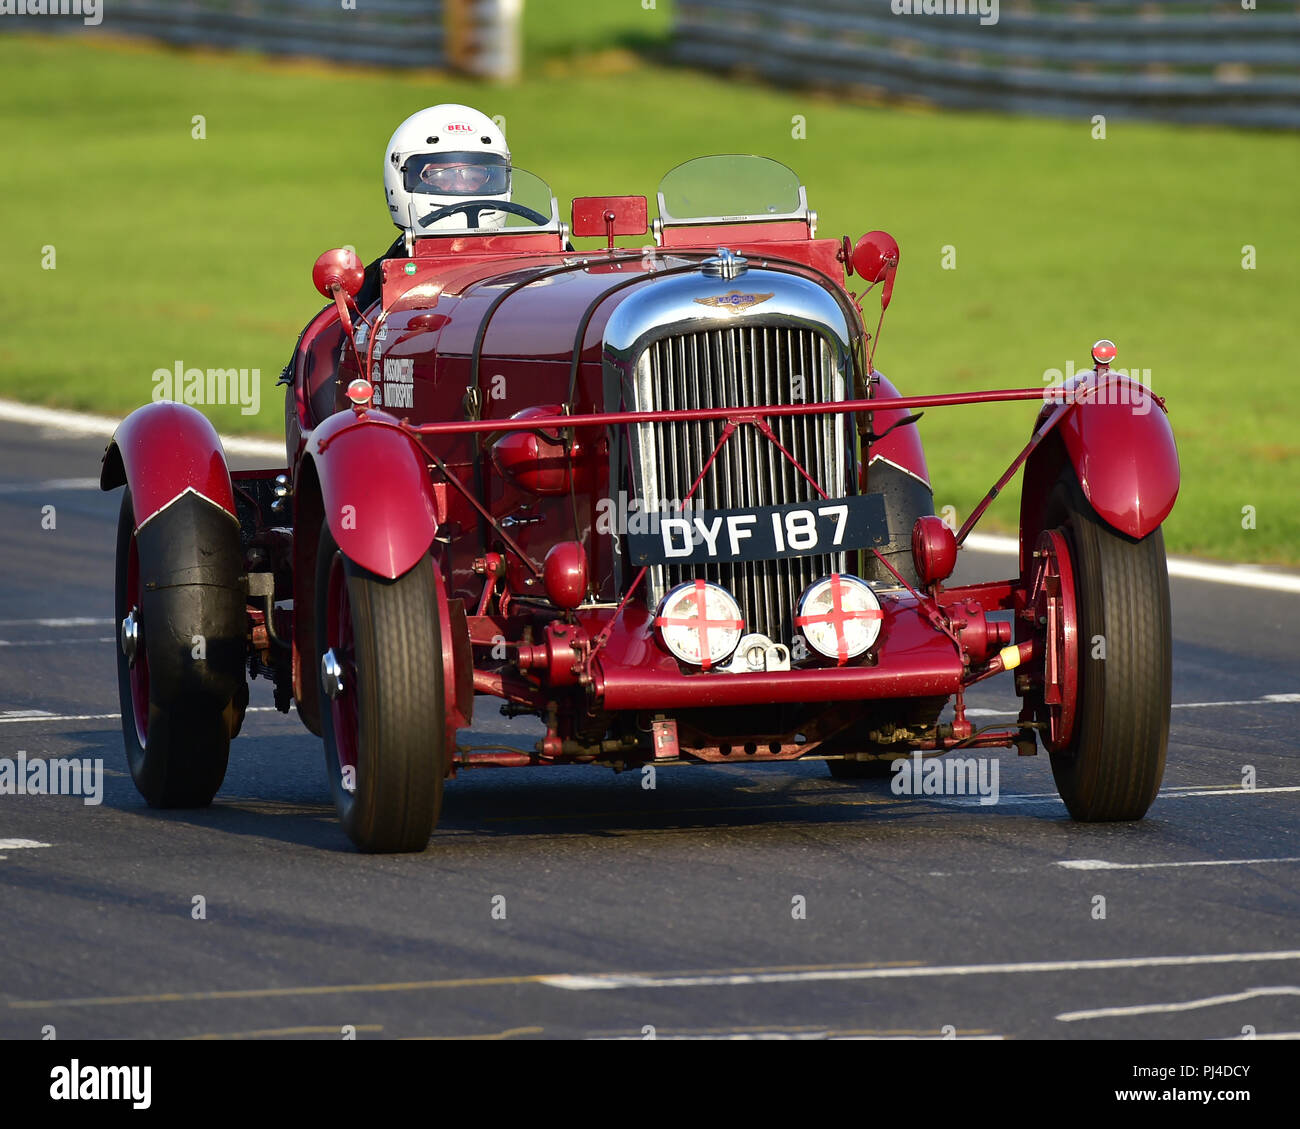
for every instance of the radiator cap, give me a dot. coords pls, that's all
(726, 264)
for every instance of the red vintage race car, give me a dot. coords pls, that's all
(657, 496)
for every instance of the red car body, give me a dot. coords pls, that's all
(482, 420)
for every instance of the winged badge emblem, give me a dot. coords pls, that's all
(734, 302)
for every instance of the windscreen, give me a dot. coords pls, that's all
(450, 192)
(731, 186)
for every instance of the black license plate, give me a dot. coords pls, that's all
(762, 533)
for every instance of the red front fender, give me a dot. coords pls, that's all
(1123, 451)
(375, 489)
(163, 450)
(902, 446)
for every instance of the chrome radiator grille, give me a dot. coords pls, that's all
(742, 366)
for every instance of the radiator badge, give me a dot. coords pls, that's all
(734, 302)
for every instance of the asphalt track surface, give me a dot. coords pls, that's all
(626, 908)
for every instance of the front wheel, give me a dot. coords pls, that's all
(181, 623)
(1112, 725)
(383, 715)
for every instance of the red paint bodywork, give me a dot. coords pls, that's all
(160, 451)
(634, 672)
(375, 490)
(902, 447)
(471, 490)
(1126, 459)
(609, 216)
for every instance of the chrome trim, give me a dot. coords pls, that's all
(331, 675)
(910, 473)
(800, 213)
(669, 307)
(756, 653)
(282, 490)
(664, 349)
(188, 490)
(129, 635)
(726, 264)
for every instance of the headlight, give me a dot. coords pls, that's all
(839, 616)
(700, 623)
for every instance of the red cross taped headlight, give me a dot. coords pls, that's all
(700, 623)
(839, 616)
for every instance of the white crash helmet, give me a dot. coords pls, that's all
(447, 154)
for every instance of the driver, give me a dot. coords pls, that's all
(444, 155)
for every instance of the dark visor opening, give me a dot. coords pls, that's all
(457, 174)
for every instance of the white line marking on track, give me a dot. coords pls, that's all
(1242, 576)
(1272, 1035)
(54, 642)
(611, 980)
(19, 844)
(50, 484)
(1102, 864)
(73, 621)
(1186, 1005)
(37, 715)
(83, 423)
(800, 1036)
(1053, 798)
(1266, 700)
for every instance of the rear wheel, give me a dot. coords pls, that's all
(383, 715)
(181, 643)
(1112, 728)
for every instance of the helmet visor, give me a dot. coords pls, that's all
(457, 174)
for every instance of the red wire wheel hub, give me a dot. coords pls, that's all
(1052, 600)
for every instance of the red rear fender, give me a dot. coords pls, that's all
(163, 450)
(374, 489)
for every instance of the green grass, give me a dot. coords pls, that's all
(172, 249)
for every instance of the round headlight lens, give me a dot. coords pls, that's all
(839, 616)
(700, 623)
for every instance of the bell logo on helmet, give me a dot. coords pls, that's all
(459, 127)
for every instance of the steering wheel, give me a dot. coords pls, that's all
(474, 208)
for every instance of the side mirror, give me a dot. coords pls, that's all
(340, 268)
(610, 216)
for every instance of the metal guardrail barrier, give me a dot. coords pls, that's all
(480, 37)
(1179, 60)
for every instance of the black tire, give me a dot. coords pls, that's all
(394, 673)
(179, 712)
(1112, 769)
(906, 499)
